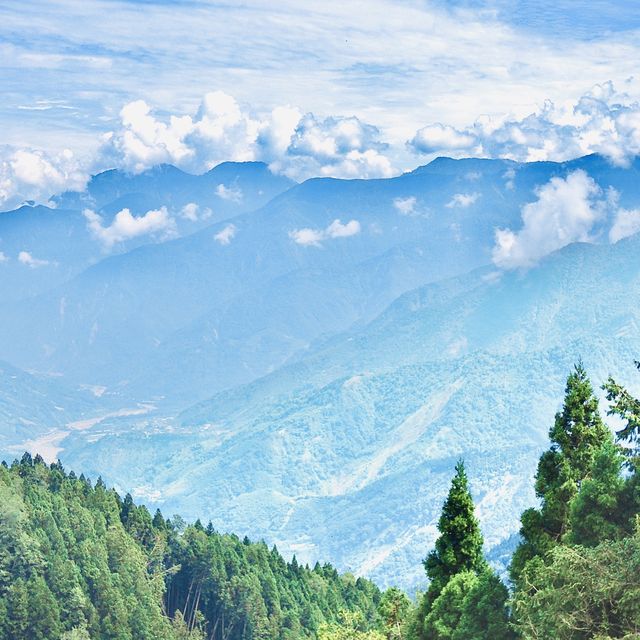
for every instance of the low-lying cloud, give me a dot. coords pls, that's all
(25, 258)
(194, 212)
(30, 174)
(405, 206)
(602, 121)
(226, 235)
(566, 211)
(126, 226)
(625, 224)
(315, 237)
(462, 200)
(295, 144)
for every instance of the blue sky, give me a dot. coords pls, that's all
(456, 71)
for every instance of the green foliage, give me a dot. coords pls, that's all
(587, 584)
(459, 547)
(576, 436)
(582, 593)
(445, 612)
(625, 406)
(484, 614)
(78, 563)
(349, 627)
(454, 567)
(395, 610)
(597, 512)
(471, 607)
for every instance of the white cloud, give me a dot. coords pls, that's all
(336, 146)
(24, 257)
(307, 237)
(601, 121)
(227, 234)
(626, 223)
(338, 230)
(192, 212)
(3, 257)
(28, 174)
(297, 145)
(462, 200)
(126, 226)
(405, 206)
(566, 211)
(441, 137)
(315, 237)
(232, 193)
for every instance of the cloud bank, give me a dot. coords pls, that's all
(297, 145)
(28, 174)
(601, 121)
(566, 211)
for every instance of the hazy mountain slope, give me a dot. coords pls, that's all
(228, 304)
(57, 244)
(32, 406)
(228, 189)
(348, 452)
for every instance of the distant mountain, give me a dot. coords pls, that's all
(43, 247)
(228, 189)
(236, 300)
(356, 441)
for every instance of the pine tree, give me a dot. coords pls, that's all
(457, 550)
(459, 547)
(576, 436)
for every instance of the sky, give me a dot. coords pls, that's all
(348, 89)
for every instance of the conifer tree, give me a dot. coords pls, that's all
(596, 512)
(576, 436)
(459, 547)
(457, 550)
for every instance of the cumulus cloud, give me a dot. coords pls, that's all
(193, 212)
(297, 145)
(566, 211)
(3, 257)
(232, 193)
(625, 224)
(315, 237)
(335, 146)
(28, 174)
(405, 206)
(24, 257)
(227, 234)
(601, 121)
(441, 137)
(462, 200)
(126, 226)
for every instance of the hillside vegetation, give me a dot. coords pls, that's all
(79, 562)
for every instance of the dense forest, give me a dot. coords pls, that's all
(79, 562)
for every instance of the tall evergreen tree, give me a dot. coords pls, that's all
(576, 436)
(458, 549)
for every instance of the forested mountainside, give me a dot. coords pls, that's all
(77, 562)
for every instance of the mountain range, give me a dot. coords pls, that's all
(306, 362)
